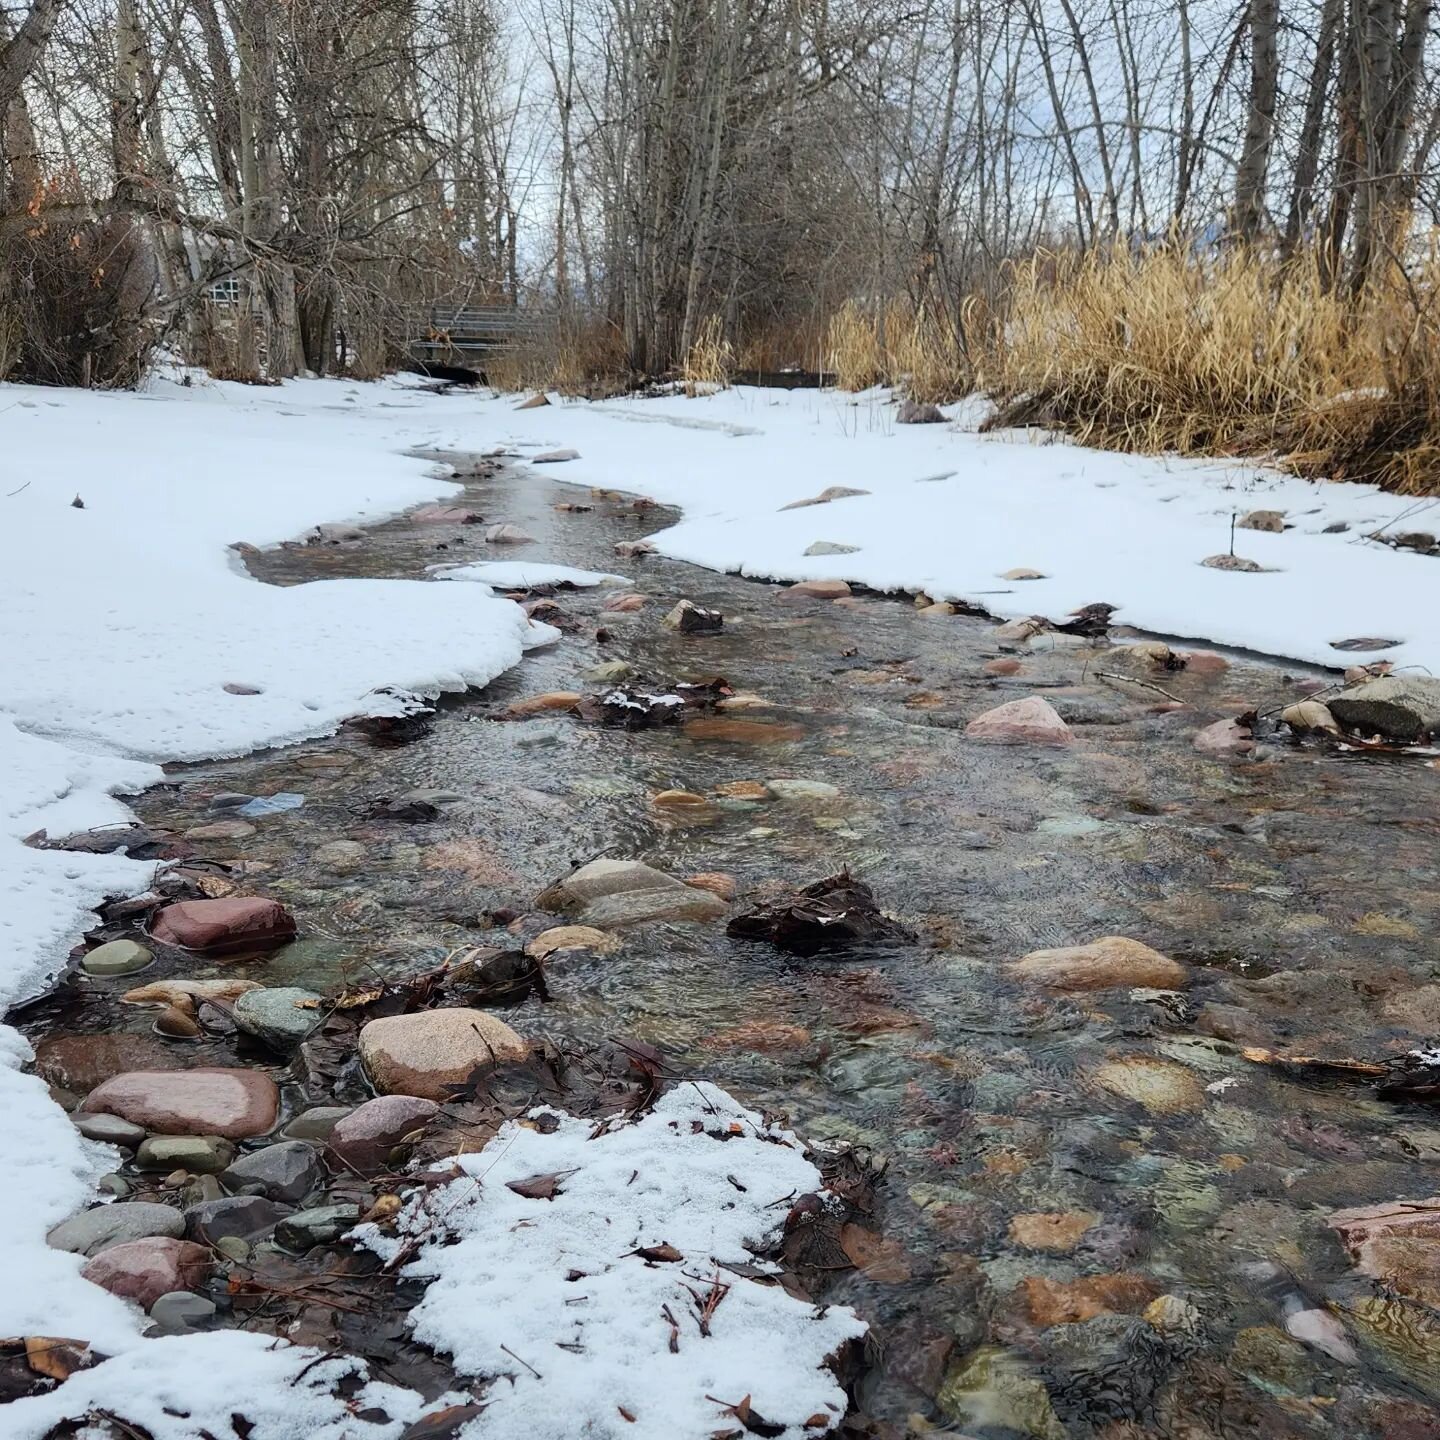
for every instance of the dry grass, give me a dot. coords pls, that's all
(1159, 351)
(711, 360)
(893, 344)
(579, 358)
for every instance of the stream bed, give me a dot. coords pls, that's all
(1099, 1215)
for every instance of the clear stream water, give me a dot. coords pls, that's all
(1301, 887)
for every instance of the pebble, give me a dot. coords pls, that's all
(117, 1224)
(319, 1226)
(109, 1129)
(612, 893)
(177, 1023)
(276, 1018)
(179, 1312)
(116, 957)
(287, 1172)
(199, 1154)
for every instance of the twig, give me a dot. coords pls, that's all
(25, 486)
(1135, 680)
(525, 1363)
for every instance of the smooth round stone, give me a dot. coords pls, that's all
(199, 1154)
(109, 1129)
(181, 1310)
(274, 1016)
(316, 1123)
(316, 1227)
(287, 1172)
(116, 1185)
(116, 957)
(106, 1225)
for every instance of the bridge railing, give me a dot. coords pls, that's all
(436, 329)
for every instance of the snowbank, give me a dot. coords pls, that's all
(122, 619)
(553, 1293)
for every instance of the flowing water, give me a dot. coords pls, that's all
(1301, 887)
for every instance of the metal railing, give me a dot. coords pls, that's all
(440, 329)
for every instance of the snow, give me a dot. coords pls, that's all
(121, 621)
(183, 1386)
(571, 1352)
(527, 575)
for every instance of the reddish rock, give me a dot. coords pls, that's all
(1058, 1302)
(716, 882)
(446, 515)
(818, 590)
(363, 1139)
(1055, 1232)
(1003, 667)
(626, 603)
(241, 923)
(1109, 961)
(144, 1270)
(1031, 721)
(1224, 737)
(1397, 1243)
(206, 1101)
(1205, 662)
(81, 1062)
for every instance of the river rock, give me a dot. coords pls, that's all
(1109, 961)
(1224, 737)
(81, 1062)
(690, 619)
(1236, 563)
(572, 937)
(830, 547)
(1031, 721)
(1054, 1232)
(554, 457)
(991, 1390)
(320, 1226)
(913, 412)
(109, 1130)
(1017, 632)
(802, 791)
(1204, 662)
(612, 893)
(432, 1052)
(363, 1139)
(716, 882)
(204, 1101)
(181, 1312)
(341, 856)
(316, 1123)
(177, 1023)
(1308, 716)
(1397, 1242)
(1271, 521)
(106, 1225)
(1058, 1302)
(116, 957)
(144, 1270)
(609, 672)
(541, 704)
(287, 1172)
(508, 535)
(1003, 666)
(197, 1154)
(276, 1018)
(246, 1217)
(1400, 707)
(818, 590)
(241, 923)
(181, 993)
(1161, 1086)
(221, 830)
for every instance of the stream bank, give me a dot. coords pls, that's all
(1078, 1185)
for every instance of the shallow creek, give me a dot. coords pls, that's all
(1301, 887)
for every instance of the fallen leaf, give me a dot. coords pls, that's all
(55, 1357)
(664, 1252)
(539, 1187)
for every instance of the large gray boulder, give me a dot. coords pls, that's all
(1402, 707)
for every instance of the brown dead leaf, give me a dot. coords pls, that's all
(442, 1424)
(874, 1256)
(539, 1187)
(56, 1358)
(663, 1253)
(625, 1414)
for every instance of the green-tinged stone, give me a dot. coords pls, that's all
(116, 957)
(991, 1388)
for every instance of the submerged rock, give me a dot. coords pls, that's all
(1109, 961)
(508, 535)
(613, 893)
(1224, 737)
(1031, 721)
(224, 926)
(433, 1053)
(992, 1389)
(1161, 1086)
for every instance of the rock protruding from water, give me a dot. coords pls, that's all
(281, 1017)
(1031, 721)
(837, 911)
(206, 1101)
(364, 1139)
(110, 1225)
(608, 894)
(286, 1172)
(116, 957)
(144, 1270)
(219, 927)
(1400, 707)
(433, 1053)
(1224, 737)
(1103, 964)
(1308, 716)
(691, 619)
(817, 590)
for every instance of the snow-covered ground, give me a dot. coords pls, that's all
(122, 620)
